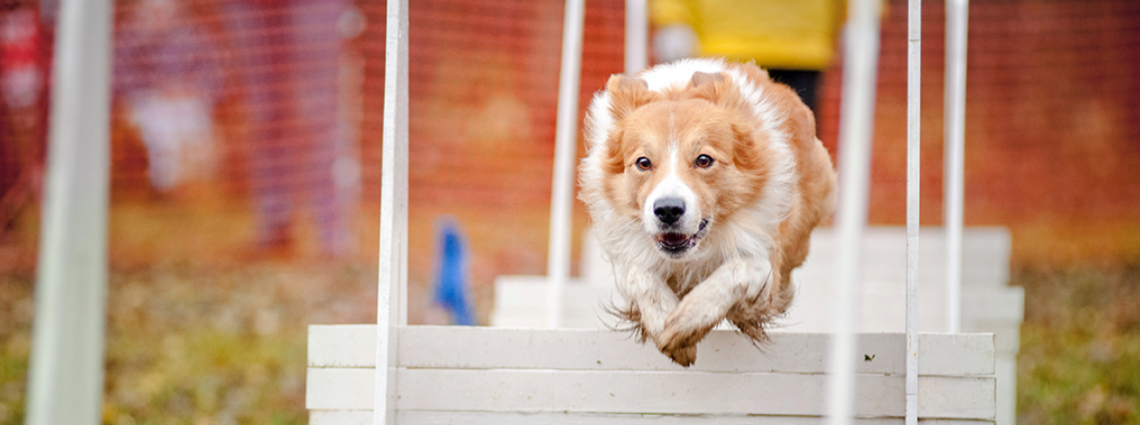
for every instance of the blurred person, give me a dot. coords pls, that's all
(22, 81)
(168, 76)
(451, 299)
(20, 76)
(794, 40)
(287, 57)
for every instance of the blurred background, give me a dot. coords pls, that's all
(246, 179)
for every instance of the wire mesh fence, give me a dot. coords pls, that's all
(269, 112)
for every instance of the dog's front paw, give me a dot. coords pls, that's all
(680, 344)
(684, 328)
(684, 356)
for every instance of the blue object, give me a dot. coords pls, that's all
(451, 275)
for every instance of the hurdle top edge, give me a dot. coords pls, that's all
(462, 347)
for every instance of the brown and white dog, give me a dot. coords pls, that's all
(704, 180)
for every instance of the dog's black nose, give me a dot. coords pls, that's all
(669, 210)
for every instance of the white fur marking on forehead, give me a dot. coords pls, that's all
(673, 148)
(680, 73)
(674, 137)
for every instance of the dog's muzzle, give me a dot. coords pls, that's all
(675, 244)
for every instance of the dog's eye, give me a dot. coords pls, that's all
(643, 163)
(704, 161)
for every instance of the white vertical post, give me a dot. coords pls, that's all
(391, 298)
(957, 14)
(636, 36)
(66, 376)
(913, 177)
(861, 46)
(565, 150)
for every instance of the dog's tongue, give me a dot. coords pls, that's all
(674, 239)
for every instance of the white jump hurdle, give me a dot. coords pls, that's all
(394, 373)
(989, 304)
(475, 375)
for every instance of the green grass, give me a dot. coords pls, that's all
(198, 346)
(1080, 346)
(15, 344)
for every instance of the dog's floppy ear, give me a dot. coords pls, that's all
(707, 80)
(716, 88)
(613, 162)
(627, 94)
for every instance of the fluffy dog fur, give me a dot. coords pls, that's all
(704, 180)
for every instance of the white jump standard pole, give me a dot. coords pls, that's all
(861, 49)
(913, 179)
(391, 295)
(565, 150)
(66, 376)
(636, 36)
(957, 15)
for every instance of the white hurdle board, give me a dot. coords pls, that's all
(481, 375)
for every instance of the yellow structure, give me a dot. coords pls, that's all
(784, 34)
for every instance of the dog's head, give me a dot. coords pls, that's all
(682, 161)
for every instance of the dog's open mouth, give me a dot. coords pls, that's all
(674, 243)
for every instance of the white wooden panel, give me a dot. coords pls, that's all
(985, 254)
(646, 392)
(419, 417)
(721, 351)
(527, 319)
(571, 319)
(529, 292)
(1005, 374)
(518, 303)
(340, 388)
(885, 306)
(342, 345)
(999, 304)
(346, 417)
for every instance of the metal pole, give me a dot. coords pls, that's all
(636, 36)
(66, 376)
(861, 46)
(913, 178)
(391, 295)
(565, 150)
(957, 14)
